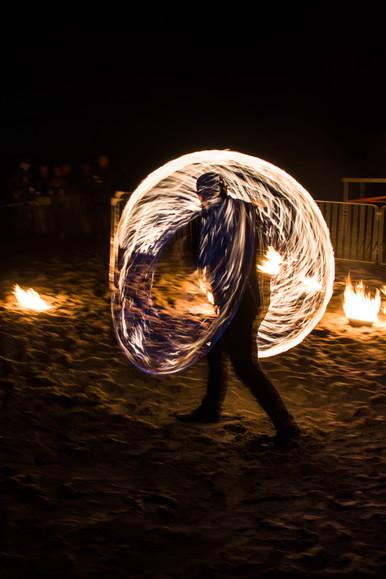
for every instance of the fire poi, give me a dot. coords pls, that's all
(361, 308)
(158, 338)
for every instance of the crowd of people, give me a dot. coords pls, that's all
(59, 200)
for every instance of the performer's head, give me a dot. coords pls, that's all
(210, 185)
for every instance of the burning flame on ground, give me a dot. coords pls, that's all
(359, 305)
(272, 262)
(30, 299)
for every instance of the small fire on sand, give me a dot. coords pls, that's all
(30, 299)
(360, 307)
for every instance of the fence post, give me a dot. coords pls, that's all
(381, 236)
(356, 230)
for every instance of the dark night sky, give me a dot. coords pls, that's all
(301, 89)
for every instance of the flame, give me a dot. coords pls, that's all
(205, 287)
(30, 299)
(210, 298)
(359, 305)
(272, 262)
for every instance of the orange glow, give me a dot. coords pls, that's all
(359, 305)
(272, 262)
(30, 299)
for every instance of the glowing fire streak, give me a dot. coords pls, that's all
(272, 262)
(311, 284)
(359, 305)
(291, 221)
(30, 299)
(205, 286)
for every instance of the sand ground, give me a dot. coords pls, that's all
(98, 479)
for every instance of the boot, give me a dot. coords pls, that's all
(202, 414)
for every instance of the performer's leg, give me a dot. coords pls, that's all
(242, 350)
(218, 371)
(210, 407)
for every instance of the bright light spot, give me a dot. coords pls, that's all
(359, 305)
(272, 262)
(205, 287)
(311, 283)
(30, 299)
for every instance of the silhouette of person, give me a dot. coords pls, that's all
(43, 208)
(86, 187)
(21, 192)
(238, 344)
(103, 181)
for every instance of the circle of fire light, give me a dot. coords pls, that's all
(292, 225)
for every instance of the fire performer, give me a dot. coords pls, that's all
(237, 344)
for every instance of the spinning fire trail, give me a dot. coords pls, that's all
(162, 338)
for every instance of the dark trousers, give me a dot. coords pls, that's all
(237, 346)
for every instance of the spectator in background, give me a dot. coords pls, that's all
(103, 189)
(71, 210)
(43, 210)
(21, 192)
(60, 202)
(71, 185)
(42, 181)
(86, 186)
(86, 179)
(19, 183)
(56, 182)
(103, 172)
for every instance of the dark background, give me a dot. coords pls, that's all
(299, 87)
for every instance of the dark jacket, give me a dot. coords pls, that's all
(218, 231)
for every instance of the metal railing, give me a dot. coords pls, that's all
(67, 215)
(356, 230)
(362, 182)
(382, 236)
